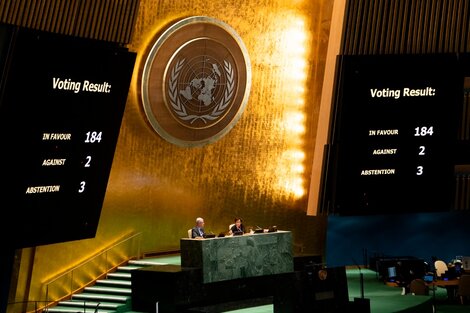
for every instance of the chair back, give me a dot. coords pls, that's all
(230, 228)
(190, 233)
(463, 290)
(418, 287)
(441, 267)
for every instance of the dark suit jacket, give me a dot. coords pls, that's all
(235, 229)
(195, 232)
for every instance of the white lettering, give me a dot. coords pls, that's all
(43, 189)
(104, 87)
(69, 84)
(407, 92)
(385, 93)
(49, 162)
(384, 151)
(425, 92)
(386, 132)
(385, 171)
(56, 136)
(65, 84)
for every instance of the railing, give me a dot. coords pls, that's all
(43, 307)
(82, 275)
(27, 306)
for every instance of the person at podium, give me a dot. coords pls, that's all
(198, 229)
(237, 227)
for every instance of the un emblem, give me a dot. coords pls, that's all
(196, 81)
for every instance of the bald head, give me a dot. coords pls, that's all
(199, 222)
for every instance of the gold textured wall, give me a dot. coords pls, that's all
(260, 170)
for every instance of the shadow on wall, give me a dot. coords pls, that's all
(352, 240)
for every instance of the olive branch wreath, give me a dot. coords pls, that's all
(180, 109)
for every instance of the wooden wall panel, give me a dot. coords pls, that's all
(406, 26)
(109, 20)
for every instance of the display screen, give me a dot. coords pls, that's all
(62, 103)
(394, 134)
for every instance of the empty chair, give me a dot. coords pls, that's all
(419, 287)
(441, 267)
(463, 290)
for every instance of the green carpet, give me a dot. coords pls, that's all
(383, 298)
(258, 309)
(174, 259)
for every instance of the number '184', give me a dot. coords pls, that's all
(93, 136)
(424, 131)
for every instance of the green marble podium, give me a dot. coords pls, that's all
(235, 257)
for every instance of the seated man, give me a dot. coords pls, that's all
(198, 229)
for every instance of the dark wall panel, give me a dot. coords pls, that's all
(373, 27)
(378, 27)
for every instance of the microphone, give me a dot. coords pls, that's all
(96, 309)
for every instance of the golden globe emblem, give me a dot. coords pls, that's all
(196, 81)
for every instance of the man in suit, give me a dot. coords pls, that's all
(198, 229)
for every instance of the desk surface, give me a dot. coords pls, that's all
(231, 236)
(444, 283)
(438, 282)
